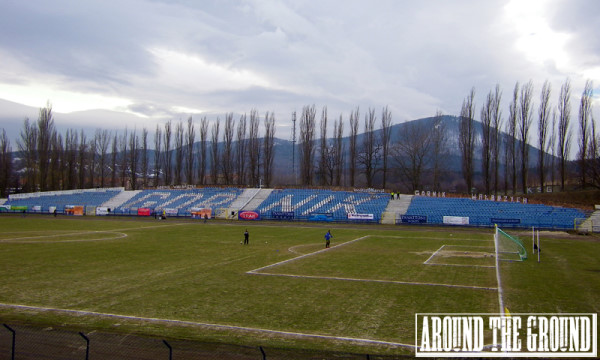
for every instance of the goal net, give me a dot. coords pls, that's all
(509, 247)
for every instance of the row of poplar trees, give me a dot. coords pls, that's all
(554, 140)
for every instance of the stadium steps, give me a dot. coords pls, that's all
(258, 199)
(592, 223)
(244, 199)
(239, 203)
(395, 209)
(121, 198)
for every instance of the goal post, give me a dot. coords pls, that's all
(508, 247)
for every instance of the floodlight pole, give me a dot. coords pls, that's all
(538, 243)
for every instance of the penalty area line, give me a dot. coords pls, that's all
(474, 287)
(208, 325)
(256, 271)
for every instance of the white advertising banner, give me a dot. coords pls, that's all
(456, 220)
(355, 216)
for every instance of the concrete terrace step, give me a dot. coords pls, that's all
(258, 199)
(395, 209)
(121, 198)
(592, 223)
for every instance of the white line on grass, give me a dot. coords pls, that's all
(23, 240)
(500, 292)
(305, 255)
(209, 325)
(378, 281)
(463, 265)
(434, 254)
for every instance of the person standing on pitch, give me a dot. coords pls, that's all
(328, 237)
(246, 237)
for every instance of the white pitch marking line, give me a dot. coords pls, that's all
(463, 265)
(21, 241)
(434, 254)
(218, 326)
(379, 281)
(116, 231)
(305, 255)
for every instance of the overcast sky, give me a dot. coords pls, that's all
(160, 60)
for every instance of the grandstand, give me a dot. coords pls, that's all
(45, 202)
(180, 202)
(305, 205)
(488, 213)
(301, 204)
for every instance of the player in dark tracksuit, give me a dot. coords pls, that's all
(328, 237)
(246, 237)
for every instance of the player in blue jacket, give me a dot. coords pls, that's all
(328, 237)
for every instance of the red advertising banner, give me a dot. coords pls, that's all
(144, 212)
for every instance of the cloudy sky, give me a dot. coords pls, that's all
(144, 62)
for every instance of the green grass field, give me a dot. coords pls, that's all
(283, 289)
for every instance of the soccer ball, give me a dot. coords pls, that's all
(241, 242)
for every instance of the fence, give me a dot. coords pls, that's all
(24, 342)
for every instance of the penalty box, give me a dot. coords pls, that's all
(463, 255)
(372, 259)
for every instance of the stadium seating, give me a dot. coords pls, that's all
(307, 204)
(336, 205)
(59, 199)
(488, 213)
(181, 201)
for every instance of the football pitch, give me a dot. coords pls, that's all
(194, 280)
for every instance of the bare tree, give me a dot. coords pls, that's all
(227, 159)
(240, 153)
(370, 154)
(552, 149)
(166, 153)
(585, 118)
(269, 148)
(594, 157)
(189, 151)
(486, 139)
(564, 133)
(307, 150)
(411, 153)
(214, 152)
(496, 126)
(56, 159)
(113, 159)
(179, 152)
(386, 134)
(82, 159)
(144, 169)
(157, 155)
(92, 157)
(103, 142)
(466, 137)
(353, 151)
(543, 123)
(134, 156)
(27, 145)
(338, 146)
(6, 166)
(202, 151)
(323, 150)
(44, 137)
(123, 160)
(525, 120)
(512, 133)
(254, 148)
(439, 150)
